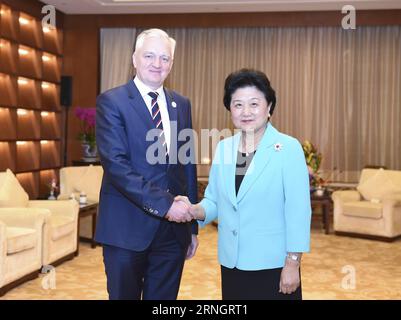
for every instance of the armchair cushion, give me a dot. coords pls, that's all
(363, 209)
(11, 192)
(20, 239)
(62, 226)
(90, 183)
(378, 186)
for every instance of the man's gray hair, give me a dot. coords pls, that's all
(154, 33)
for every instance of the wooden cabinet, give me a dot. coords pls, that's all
(30, 111)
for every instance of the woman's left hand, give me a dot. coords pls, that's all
(289, 280)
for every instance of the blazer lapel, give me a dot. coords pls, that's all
(229, 163)
(139, 104)
(263, 155)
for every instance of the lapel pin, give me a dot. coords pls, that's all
(173, 104)
(278, 146)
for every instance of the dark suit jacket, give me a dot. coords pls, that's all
(136, 195)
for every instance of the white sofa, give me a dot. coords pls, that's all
(373, 210)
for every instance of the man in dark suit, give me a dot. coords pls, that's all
(146, 234)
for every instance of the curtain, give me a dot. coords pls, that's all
(116, 48)
(338, 88)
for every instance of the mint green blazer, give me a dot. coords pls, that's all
(271, 214)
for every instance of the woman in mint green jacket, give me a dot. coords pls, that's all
(259, 192)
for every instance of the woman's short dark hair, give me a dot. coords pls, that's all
(249, 78)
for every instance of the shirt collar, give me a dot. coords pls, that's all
(144, 89)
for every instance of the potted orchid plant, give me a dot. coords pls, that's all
(87, 117)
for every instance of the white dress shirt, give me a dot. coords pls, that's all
(161, 101)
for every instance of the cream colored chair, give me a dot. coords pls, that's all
(87, 179)
(373, 210)
(21, 240)
(74, 180)
(60, 231)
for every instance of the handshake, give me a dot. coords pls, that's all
(183, 210)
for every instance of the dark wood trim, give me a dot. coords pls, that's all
(248, 19)
(16, 283)
(69, 256)
(366, 236)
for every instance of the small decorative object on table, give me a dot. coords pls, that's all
(87, 135)
(319, 191)
(82, 198)
(53, 189)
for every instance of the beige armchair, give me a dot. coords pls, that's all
(74, 180)
(373, 210)
(21, 240)
(87, 179)
(60, 235)
(61, 228)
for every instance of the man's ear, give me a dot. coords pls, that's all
(134, 59)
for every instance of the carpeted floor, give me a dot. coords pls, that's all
(327, 271)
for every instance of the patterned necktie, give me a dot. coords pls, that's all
(157, 119)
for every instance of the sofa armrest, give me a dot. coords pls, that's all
(68, 208)
(346, 195)
(391, 202)
(24, 217)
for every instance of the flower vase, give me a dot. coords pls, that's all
(319, 191)
(89, 153)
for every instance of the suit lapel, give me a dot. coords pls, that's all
(263, 156)
(174, 128)
(172, 111)
(139, 104)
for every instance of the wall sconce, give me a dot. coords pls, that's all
(22, 112)
(44, 141)
(45, 85)
(44, 114)
(23, 51)
(23, 21)
(46, 58)
(22, 81)
(21, 143)
(46, 30)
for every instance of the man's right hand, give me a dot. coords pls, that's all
(179, 212)
(195, 210)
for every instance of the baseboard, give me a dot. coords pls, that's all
(366, 236)
(17, 282)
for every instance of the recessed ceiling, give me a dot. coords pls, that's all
(187, 6)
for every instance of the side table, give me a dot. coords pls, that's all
(326, 204)
(85, 210)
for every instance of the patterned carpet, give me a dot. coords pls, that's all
(327, 272)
